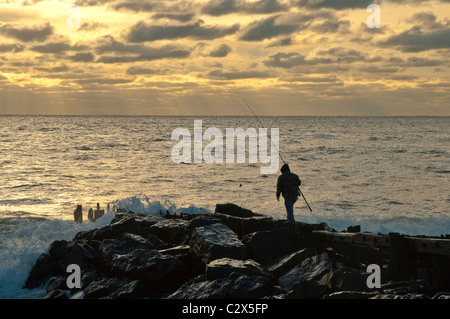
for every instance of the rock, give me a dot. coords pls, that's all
(58, 249)
(56, 294)
(216, 241)
(162, 272)
(235, 286)
(223, 267)
(403, 287)
(176, 251)
(121, 224)
(351, 295)
(285, 263)
(311, 268)
(347, 279)
(266, 246)
(78, 253)
(442, 295)
(103, 287)
(124, 245)
(200, 221)
(307, 290)
(234, 210)
(406, 296)
(44, 268)
(131, 290)
(172, 231)
(57, 283)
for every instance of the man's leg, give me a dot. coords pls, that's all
(289, 203)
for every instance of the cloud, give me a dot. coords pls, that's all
(51, 47)
(126, 52)
(13, 47)
(56, 69)
(82, 57)
(222, 7)
(267, 29)
(26, 33)
(333, 4)
(415, 40)
(238, 75)
(281, 43)
(142, 32)
(181, 17)
(91, 26)
(221, 51)
(137, 70)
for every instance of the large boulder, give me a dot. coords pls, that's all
(346, 279)
(44, 268)
(235, 286)
(234, 210)
(312, 268)
(224, 267)
(171, 231)
(216, 241)
(266, 246)
(286, 263)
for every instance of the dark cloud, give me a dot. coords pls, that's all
(181, 17)
(82, 57)
(55, 69)
(91, 26)
(51, 47)
(142, 32)
(27, 33)
(281, 43)
(267, 29)
(222, 7)
(285, 60)
(126, 52)
(221, 51)
(137, 70)
(14, 47)
(415, 40)
(333, 4)
(238, 75)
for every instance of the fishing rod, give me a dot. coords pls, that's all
(279, 154)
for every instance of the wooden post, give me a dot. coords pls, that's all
(78, 214)
(398, 267)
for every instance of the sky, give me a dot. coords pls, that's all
(204, 57)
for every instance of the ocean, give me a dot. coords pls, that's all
(387, 174)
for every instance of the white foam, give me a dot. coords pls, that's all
(23, 241)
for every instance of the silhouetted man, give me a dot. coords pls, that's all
(288, 185)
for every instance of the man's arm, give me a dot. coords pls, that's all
(279, 187)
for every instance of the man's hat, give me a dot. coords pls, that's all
(285, 168)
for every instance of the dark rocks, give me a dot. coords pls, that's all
(228, 254)
(216, 241)
(310, 269)
(224, 267)
(234, 210)
(235, 286)
(265, 246)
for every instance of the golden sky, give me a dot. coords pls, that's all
(193, 57)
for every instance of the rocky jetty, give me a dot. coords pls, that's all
(232, 253)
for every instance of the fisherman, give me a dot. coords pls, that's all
(288, 185)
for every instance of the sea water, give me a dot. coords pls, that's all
(387, 174)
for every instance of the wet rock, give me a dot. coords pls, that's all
(235, 286)
(351, 295)
(348, 279)
(103, 287)
(287, 262)
(56, 294)
(171, 231)
(224, 267)
(266, 246)
(44, 268)
(307, 290)
(216, 241)
(312, 268)
(234, 210)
